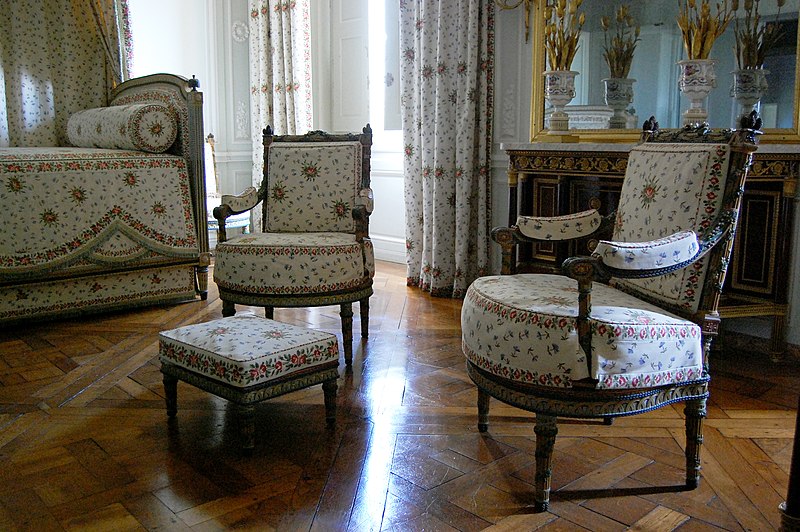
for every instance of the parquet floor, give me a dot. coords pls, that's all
(85, 443)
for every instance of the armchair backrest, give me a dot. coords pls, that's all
(679, 181)
(312, 182)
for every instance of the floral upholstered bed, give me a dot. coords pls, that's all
(117, 220)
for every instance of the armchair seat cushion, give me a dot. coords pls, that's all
(523, 328)
(293, 263)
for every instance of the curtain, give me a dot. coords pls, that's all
(446, 82)
(280, 73)
(57, 57)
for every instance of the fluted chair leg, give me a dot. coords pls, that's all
(483, 410)
(363, 306)
(546, 431)
(228, 308)
(695, 411)
(347, 331)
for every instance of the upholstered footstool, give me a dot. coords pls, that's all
(247, 359)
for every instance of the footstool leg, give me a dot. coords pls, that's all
(245, 415)
(269, 312)
(228, 308)
(347, 331)
(363, 306)
(329, 389)
(171, 394)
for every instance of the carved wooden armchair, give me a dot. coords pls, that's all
(628, 329)
(315, 248)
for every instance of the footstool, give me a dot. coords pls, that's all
(247, 359)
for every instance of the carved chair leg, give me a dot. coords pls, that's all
(171, 394)
(695, 411)
(346, 313)
(269, 312)
(329, 389)
(245, 416)
(483, 410)
(546, 431)
(363, 306)
(201, 273)
(228, 308)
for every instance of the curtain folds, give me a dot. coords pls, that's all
(57, 57)
(447, 81)
(280, 73)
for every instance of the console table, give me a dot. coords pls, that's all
(551, 179)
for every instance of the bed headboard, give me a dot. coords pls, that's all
(180, 94)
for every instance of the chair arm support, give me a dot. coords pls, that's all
(361, 217)
(366, 198)
(234, 204)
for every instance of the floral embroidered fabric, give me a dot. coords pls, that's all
(142, 127)
(312, 186)
(523, 328)
(293, 263)
(559, 227)
(670, 188)
(62, 205)
(246, 350)
(660, 253)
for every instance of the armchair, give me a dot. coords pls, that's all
(628, 329)
(315, 248)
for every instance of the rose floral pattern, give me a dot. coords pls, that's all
(142, 127)
(559, 227)
(660, 253)
(446, 85)
(523, 328)
(101, 291)
(246, 350)
(312, 186)
(293, 263)
(670, 188)
(116, 192)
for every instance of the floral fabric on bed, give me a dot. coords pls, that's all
(142, 127)
(62, 206)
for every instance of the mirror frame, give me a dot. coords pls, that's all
(539, 133)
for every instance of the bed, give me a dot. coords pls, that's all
(116, 221)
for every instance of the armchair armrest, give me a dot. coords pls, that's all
(664, 252)
(565, 227)
(234, 204)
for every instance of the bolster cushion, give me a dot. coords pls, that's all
(142, 127)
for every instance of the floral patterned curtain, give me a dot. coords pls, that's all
(57, 57)
(446, 81)
(280, 72)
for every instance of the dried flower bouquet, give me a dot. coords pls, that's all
(618, 53)
(562, 31)
(699, 28)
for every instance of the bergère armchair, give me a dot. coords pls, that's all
(315, 248)
(628, 329)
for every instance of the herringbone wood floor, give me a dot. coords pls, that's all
(85, 443)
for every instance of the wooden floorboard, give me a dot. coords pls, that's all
(85, 443)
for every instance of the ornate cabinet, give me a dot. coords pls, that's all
(549, 179)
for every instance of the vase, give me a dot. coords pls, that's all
(749, 85)
(618, 95)
(559, 90)
(697, 79)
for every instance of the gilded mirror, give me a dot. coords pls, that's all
(656, 73)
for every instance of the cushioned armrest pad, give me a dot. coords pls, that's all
(559, 227)
(661, 253)
(241, 202)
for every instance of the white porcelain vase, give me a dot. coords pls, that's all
(618, 95)
(749, 86)
(697, 79)
(559, 90)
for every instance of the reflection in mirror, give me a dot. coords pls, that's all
(654, 67)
